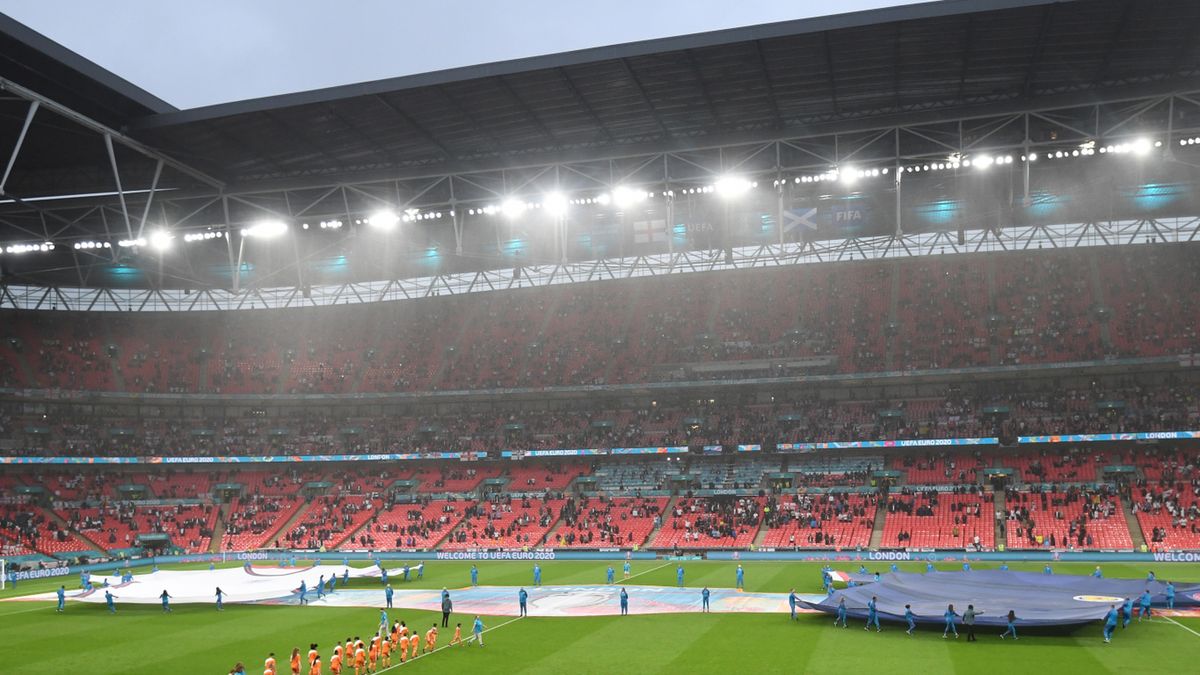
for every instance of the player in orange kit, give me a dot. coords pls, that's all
(360, 659)
(457, 639)
(402, 650)
(414, 645)
(269, 665)
(295, 661)
(431, 639)
(335, 662)
(373, 654)
(315, 668)
(385, 650)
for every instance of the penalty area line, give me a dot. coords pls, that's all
(1182, 626)
(464, 643)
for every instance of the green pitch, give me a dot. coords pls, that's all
(140, 640)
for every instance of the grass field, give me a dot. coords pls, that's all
(87, 640)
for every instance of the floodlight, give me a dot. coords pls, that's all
(623, 196)
(383, 220)
(555, 203)
(160, 240)
(267, 229)
(731, 187)
(512, 207)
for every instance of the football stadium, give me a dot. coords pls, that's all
(854, 343)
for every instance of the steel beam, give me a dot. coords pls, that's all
(12, 159)
(85, 121)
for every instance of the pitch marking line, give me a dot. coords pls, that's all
(1182, 626)
(464, 643)
(25, 611)
(654, 569)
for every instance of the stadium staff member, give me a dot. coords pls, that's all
(447, 607)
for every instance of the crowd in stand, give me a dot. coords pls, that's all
(1043, 308)
(416, 525)
(995, 409)
(595, 521)
(256, 515)
(813, 513)
(490, 520)
(715, 518)
(1092, 504)
(1056, 498)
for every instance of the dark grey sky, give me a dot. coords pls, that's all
(198, 52)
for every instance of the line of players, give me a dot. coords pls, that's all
(361, 658)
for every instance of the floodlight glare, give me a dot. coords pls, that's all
(555, 203)
(623, 196)
(512, 207)
(731, 187)
(1141, 146)
(383, 220)
(267, 229)
(160, 240)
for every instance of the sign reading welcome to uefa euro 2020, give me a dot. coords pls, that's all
(494, 555)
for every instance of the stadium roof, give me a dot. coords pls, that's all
(672, 93)
(128, 160)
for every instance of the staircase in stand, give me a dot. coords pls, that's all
(663, 518)
(880, 517)
(1001, 522)
(218, 534)
(1135, 528)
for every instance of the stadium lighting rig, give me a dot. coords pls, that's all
(160, 240)
(267, 229)
(1140, 147)
(727, 187)
(555, 203)
(624, 196)
(414, 215)
(385, 221)
(202, 236)
(732, 187)
(91, 245)
(18, 249)
(514, 207)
